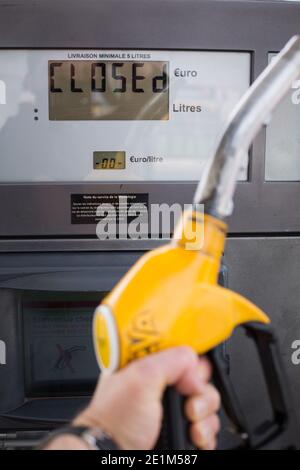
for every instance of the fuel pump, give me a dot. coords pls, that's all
(203, 314)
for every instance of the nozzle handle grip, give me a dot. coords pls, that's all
(174, 434)
(174, 431)
(223, 383)
(175, 428)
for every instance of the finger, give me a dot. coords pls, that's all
(195, 381)
(166, 368)
(203, 433)
(201, 406)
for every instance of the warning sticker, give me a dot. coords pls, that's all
(121, 208)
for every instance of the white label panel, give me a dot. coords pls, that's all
(203, 88)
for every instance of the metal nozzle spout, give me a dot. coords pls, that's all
(217, 186)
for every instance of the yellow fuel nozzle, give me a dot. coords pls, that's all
(170, 296)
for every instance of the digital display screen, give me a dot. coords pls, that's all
(109, 160)
(108, 90)
(59, 354)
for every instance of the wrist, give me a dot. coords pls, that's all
(78, 437)
(86, 418)
(89, 419)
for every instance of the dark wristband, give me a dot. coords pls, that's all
(93, 437)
